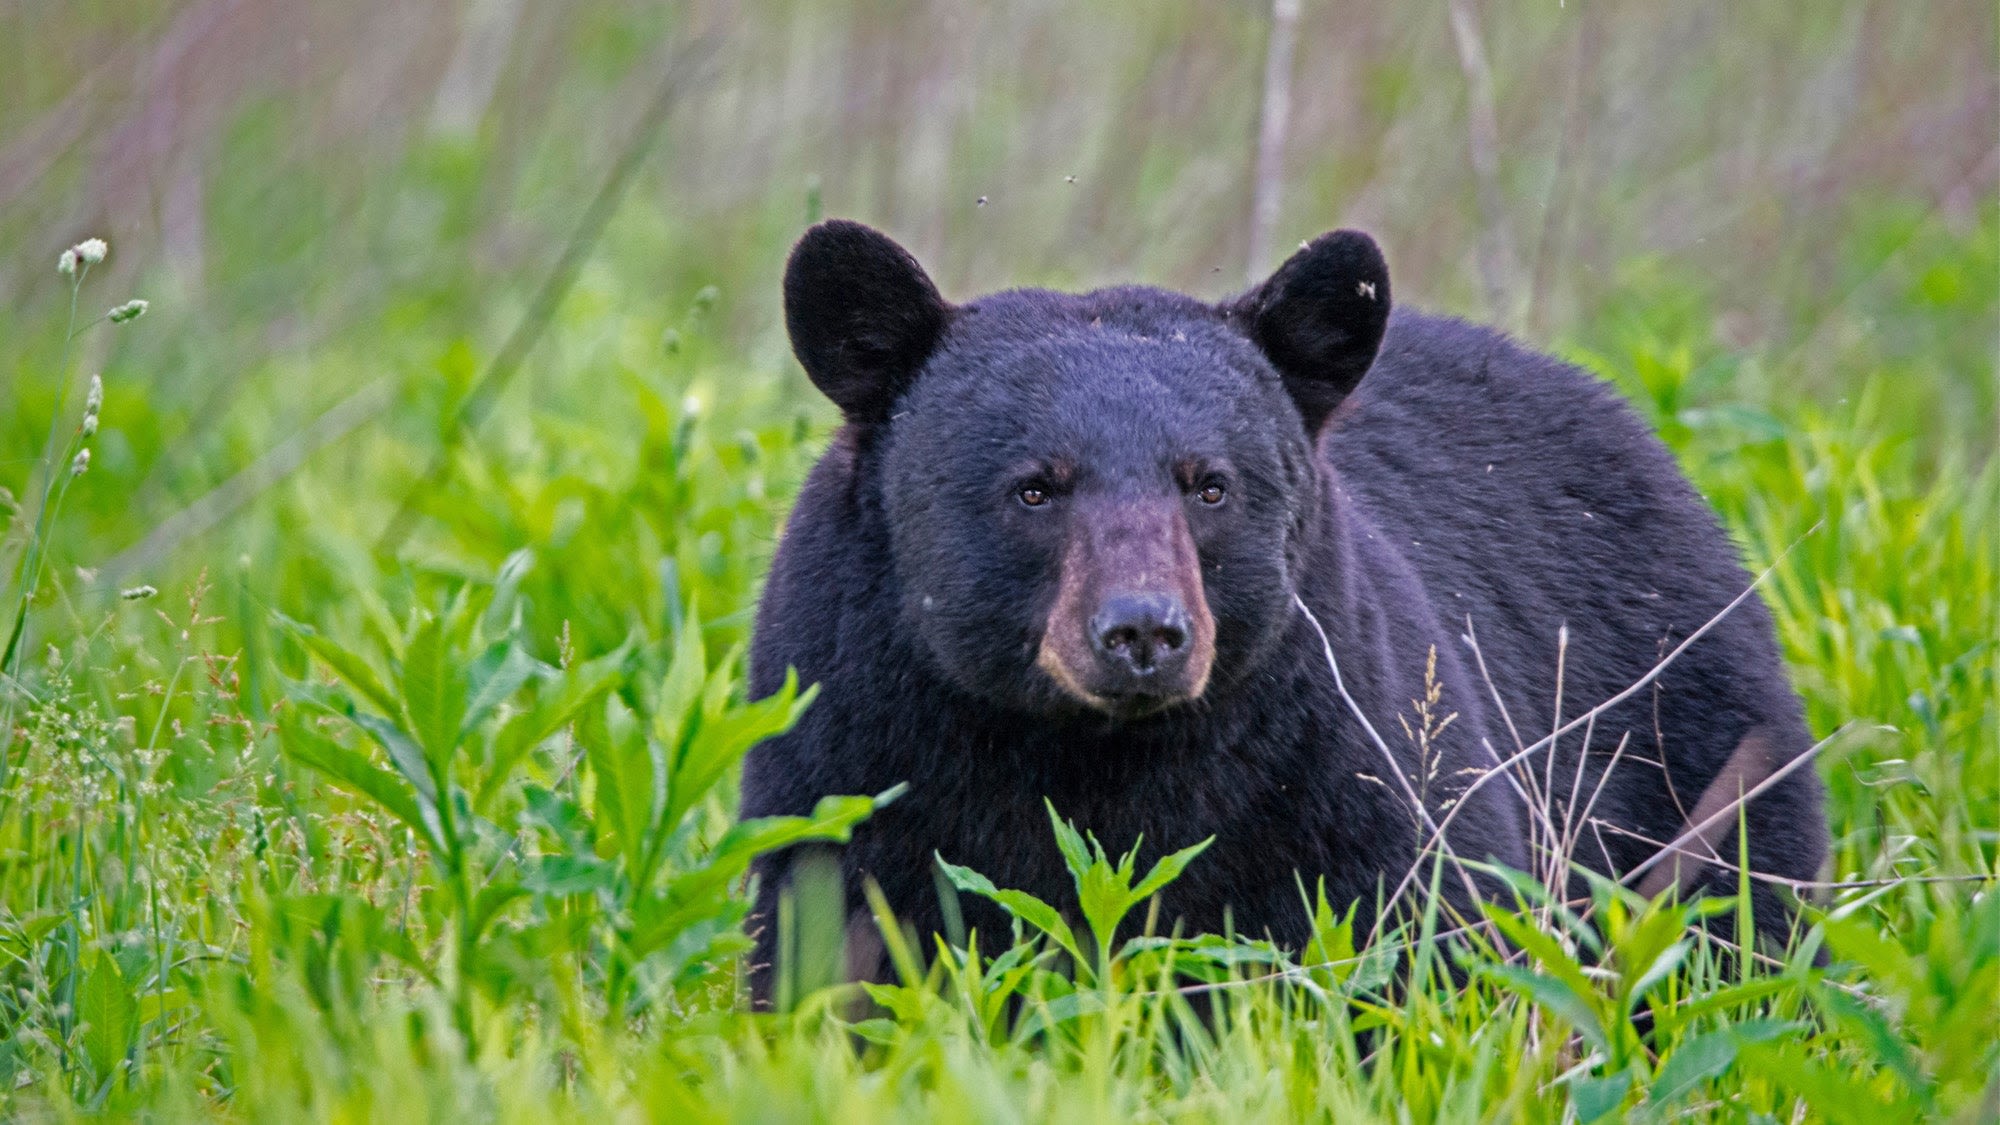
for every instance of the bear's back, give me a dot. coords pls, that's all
(1530, 499)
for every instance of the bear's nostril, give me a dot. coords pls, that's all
(1140, 633)
(1120, 638)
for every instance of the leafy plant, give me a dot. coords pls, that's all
(1105, 893)
(558, 821)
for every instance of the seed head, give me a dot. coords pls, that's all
(137, 593)
(82, 462)
(130, 310)
(91, 250)
(66, 265)
(94, 401)
(89, 426)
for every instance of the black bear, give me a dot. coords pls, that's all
(1190, 570)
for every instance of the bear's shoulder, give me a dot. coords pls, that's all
(1453, 386)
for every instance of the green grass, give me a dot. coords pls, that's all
(227, 882)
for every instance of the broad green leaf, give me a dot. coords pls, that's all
(1104, 896)
(1695, 1061)
(157, 1004)
(1556, 996)
(1331, 949)
(1708, 1055)
(1167, 870)
(345, 664)
(507, 588)
(1062, 1010)
(1835, 1092)
(1647, 946)
(1873, 1029)
(576, 689)
(832, 821)
(881, 1031)
(568, 875)
(109, 1014)
(1076, 856)
(496, 677)
(363, 778)
(1545, 949)
(1020, 904)
(1731, 996)
(680, 692)
(631, 784)
(18, 938)
(492, 899)
(557, 813)
(1662, 967)
(720, 744)
(1594, 1098)
(404, 754)
(721, 684)
(433, 693)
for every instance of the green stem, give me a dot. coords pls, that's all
(33, 557)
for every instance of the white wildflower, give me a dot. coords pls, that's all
(66, 265)
(130, 310)
(91, 250)
(92, 404)
(81, 463)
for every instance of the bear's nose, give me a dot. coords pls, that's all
(1140, 634)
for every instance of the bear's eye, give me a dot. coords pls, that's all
(1034, 496)
(1211, 493)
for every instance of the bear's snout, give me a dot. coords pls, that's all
(1130, 632)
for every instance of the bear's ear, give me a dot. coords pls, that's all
(1319, 319)
(862, 315)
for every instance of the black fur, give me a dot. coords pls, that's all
(1464, 477)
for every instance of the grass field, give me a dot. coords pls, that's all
(368, 747)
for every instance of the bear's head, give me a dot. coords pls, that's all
(1095, 502)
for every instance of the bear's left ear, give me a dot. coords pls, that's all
(1320, 318)
(862, 314)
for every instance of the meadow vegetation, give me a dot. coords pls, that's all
(302, 819)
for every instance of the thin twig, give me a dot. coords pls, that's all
(1496, 247)
(1548, 793)
(1547, 254)
(1654, 673)
(1695, 831)
(1268, 185)
(1801, 884)
(1471, 638)
(1505, 767)
(1395, 767)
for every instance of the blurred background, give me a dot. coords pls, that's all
(340, 213)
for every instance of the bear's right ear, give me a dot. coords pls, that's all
(862, 315)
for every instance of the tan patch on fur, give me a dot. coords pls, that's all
(1746, 768)
(1049, 660)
